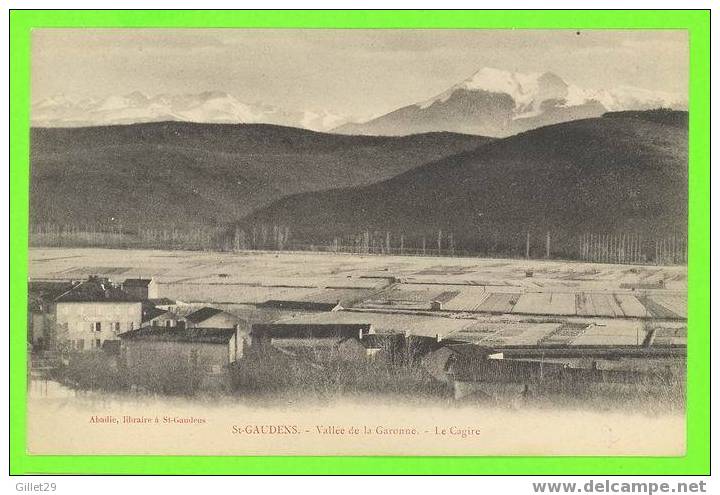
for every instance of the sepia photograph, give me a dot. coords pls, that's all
(411, 242)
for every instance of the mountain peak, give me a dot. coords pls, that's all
(524, 88)
(498, 102)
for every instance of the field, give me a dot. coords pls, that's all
(489, 301)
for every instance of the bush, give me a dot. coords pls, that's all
(93, 370)
(272, 374)
(166, 376)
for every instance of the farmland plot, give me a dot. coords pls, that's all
(469, 299)
(594, 304)
(510, 334)
(655, 309)
(499, 302)
(388, 322)
(675, 303)
(346, 297)
(533, 334)
(548, 303)
(615, 332)
(490, 333)
(478, 332)
(670, 336)
(222, 293)
(630, 306)
(564, 334)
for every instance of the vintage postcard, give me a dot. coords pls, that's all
(358, 242)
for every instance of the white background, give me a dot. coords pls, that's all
(315, 485)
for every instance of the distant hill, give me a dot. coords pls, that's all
(625, 172)
(181, 175)
(500, 103)
(210, 107)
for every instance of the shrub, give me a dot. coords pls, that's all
(93, 370)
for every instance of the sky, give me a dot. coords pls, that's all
(354, 73)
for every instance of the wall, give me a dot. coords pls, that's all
(435, 364)
(207, 357)
(149, 292)
(77, 317)
(162, 321)
(220, 320)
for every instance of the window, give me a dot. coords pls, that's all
(116, 326)
(98, 344)
(97, 326)
(167, 323)
(448, 368)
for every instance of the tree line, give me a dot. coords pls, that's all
(622, 247)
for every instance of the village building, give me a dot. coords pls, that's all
(207, 350)
(141, 288)
(95, 311)
(450, 360)
(166, 303)
(301, 305)
(41, 311)
(208, 317)
(158, 317)
(418, 346)
(182, 359)
(373, 348)
(317, 342)
(478, 372)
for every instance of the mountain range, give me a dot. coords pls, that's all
(207, 107)
(179, 175)
(492, 102)
(500, 103)
(623, 172)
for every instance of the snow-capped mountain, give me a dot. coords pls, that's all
(208, 107)
(499, 103)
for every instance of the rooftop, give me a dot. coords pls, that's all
(299, 305)
(41, 293)
(162, 301)
(152, 313)
(96, 289)
(175, 334)
(383, 340)
(137, 282)
(310, 330)
(203, 314)
(471, 351)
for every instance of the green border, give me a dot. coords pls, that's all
(697, 459)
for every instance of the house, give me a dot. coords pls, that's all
(141, 288)
(206, 350)
(158, 317)
(417, 346)
(373, 348)
(271, 332)
(165, 303)
(300, 305)
(94, 311)
(41, 311)
(454, 360)
(181, 359)
(317, 342)
(208, 317)
(481, 372)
